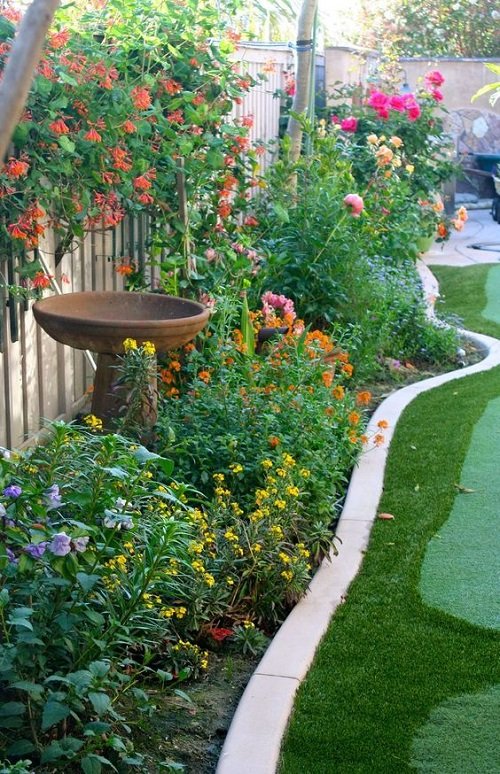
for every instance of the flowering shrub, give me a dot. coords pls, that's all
(228, 407)
(89, 559)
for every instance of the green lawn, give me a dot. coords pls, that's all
(388, 661)
(463, 291)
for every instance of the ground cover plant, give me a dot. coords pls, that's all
(395, 658)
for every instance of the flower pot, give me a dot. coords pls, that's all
(424, 243)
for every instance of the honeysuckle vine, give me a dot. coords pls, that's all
(129, 113)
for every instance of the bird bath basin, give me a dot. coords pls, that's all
(100, 321)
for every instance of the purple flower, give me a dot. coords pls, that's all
(36, 551)
(13, 490)
(11, 556)
(51, 498)
(61, 544)
(80, 544)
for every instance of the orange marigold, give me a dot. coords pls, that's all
(353, 418)
(383, 424)
(327, 377)
(273, 441)
(378, 439)
(363, 398)
(204, 376)
(338, 392)
(347, 368)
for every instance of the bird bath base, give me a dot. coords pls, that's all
(109, 400)
(101, 321)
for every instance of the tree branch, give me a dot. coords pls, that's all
(19, 70)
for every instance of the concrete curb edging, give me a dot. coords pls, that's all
(253, 742)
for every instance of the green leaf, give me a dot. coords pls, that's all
(67, 144)
(33, 689)
(21, 747)
(99, 668)
(53, 713)
(100, 702)
(96, 728)
(4, 598)
(87, 582)
(281, 213)
(12, 708)
(117, 472)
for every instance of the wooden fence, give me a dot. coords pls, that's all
(41, 380)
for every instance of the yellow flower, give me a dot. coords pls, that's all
(197, 566)
(231, 536)
(305, 473)
(281, 472)
(396, 162)
(293, 491)
(280, 504)
(287, 575)
(148, 348)
(209, 579)
(219, 477)
(276, 531)
(93, 422)
(266, 464)
(288, 461)
(195, 548)
(284, 557)
(410, 169)
(166, 612)
(180, 612)
(372, 139)
(256, 548)
(229, 581)
(129, 344)
(236, 467)
(248, 625)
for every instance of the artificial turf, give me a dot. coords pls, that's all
(472, 293)
(461, 569)
(388, 660)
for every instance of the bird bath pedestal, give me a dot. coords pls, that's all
(101, 321)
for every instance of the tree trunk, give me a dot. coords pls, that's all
(303, 75)
(19, 70)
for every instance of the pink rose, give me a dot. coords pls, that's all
(383, 112)
(355, 204)
(397, 102)
(437, 95)
(349, 124)
(434, 78)
(335, 120)
(412, 107)
(378, 100)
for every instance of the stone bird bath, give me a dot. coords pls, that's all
(100, 321)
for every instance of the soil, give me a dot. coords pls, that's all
(192, 734)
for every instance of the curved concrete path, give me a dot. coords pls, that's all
(253, 742)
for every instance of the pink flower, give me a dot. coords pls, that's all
(210, 254)
(355, 203)
(335, 120)
(272, 302)
(412, 107)
(378, 100)
(349, 124)
(437, 95)
(434, 78)
(397, 102)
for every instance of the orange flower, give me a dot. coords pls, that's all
(59, 127)
(442, 230)
(173, 392)
(129, 127)
(16, 168)
(327, 377)
(167, 376)
(125, 269)
(383, 424)
(175, 365)
(189, 347)
(347, 368)
(378, 439)
(353, 418)
(338, 392)
(204, 376)
(273, 441)
(353, 437)
(140, 97)
(363, 398)
(92, 135)
(364, 439)
(329, 412)
(462, 214)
